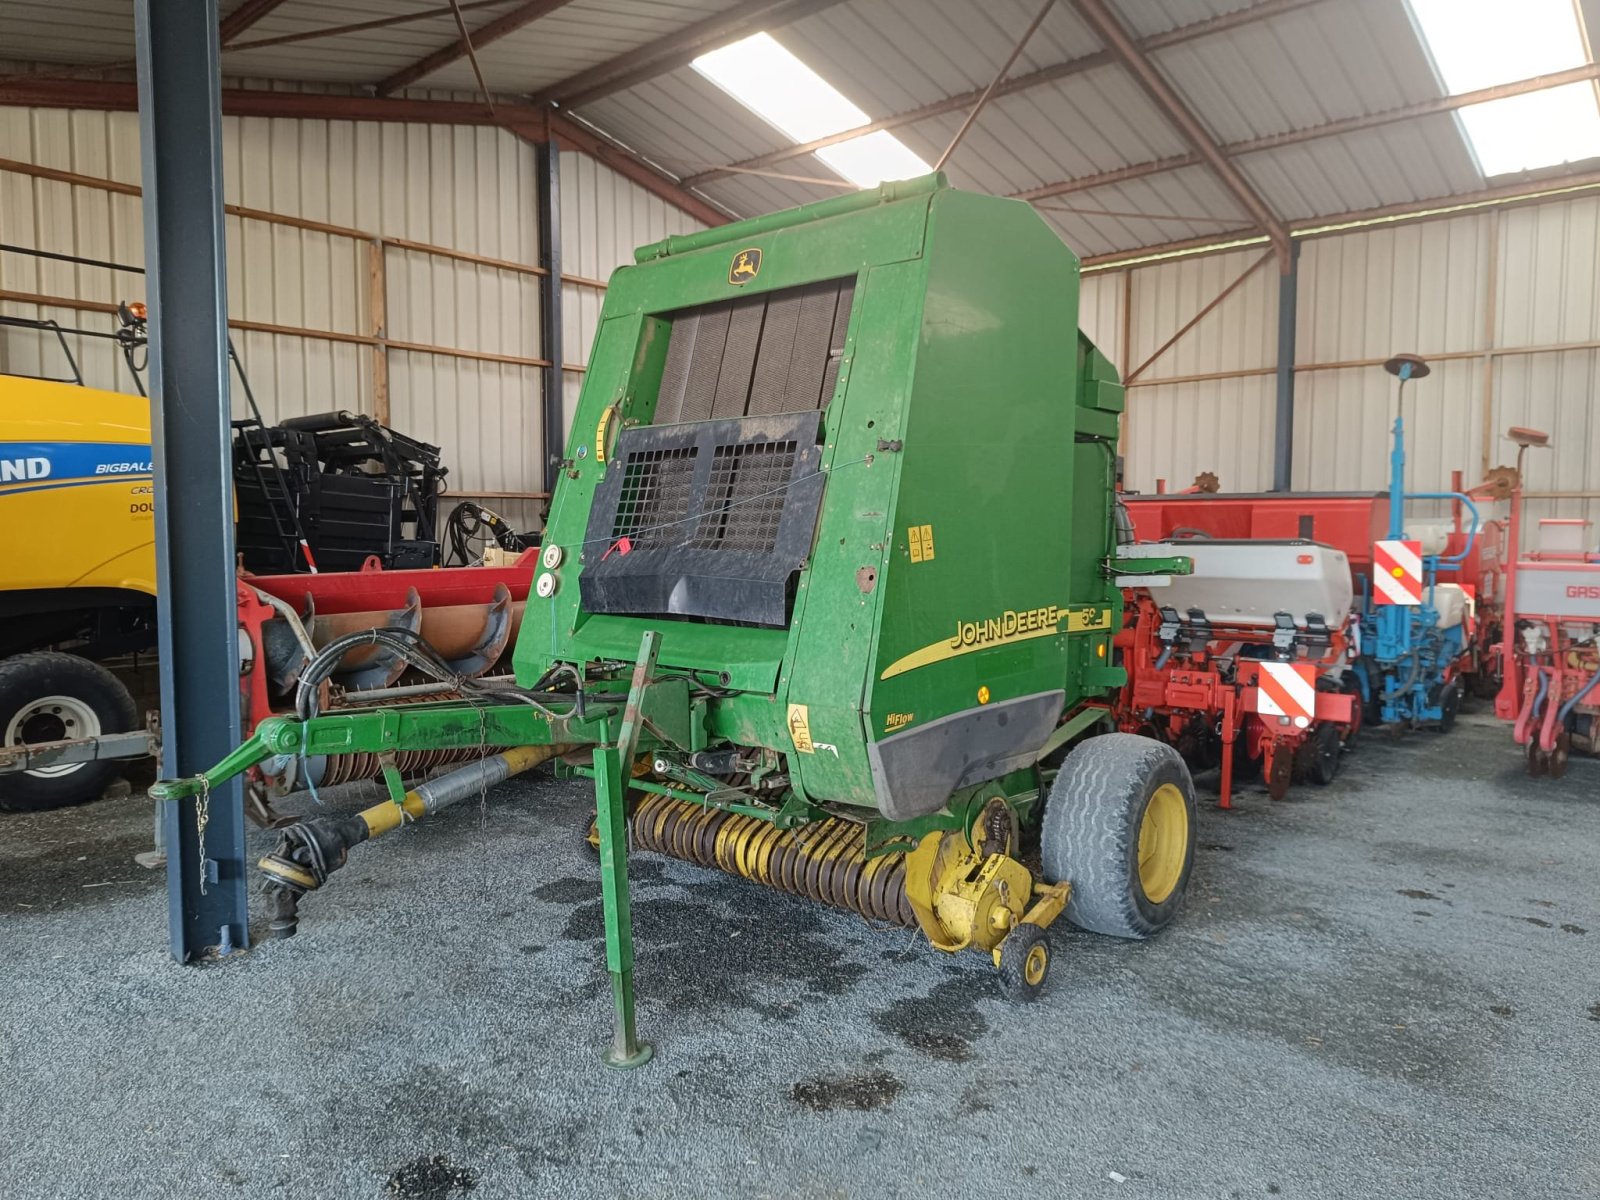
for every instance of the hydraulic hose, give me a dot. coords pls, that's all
(296, 625)
(1523, 730)
(1577, 698)
(1455, 560)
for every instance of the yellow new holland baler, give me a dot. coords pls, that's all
(78, 584)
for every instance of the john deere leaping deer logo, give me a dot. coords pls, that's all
(746, 265)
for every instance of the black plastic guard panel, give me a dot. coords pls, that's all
(914, 772)
(708, 519)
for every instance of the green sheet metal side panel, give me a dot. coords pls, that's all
(995, 547)
(987, 477)
(836, 610)
(623, 374)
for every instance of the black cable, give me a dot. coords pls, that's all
(408, 645)
(471, 526)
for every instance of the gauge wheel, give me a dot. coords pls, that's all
(1449, 705)
(1024, 962)
(1323, 764)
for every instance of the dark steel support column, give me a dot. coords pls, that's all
(1283, 427)
(180, 132)
(554, 424)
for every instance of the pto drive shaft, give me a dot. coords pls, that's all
(311, 850)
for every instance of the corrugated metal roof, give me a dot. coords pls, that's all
(1424, 159)
(573, 38)
(1303, 68)
(1292, 66)
(685, 123)
(352, 58)
(66, 31)
(1091, 228)
(905, 55)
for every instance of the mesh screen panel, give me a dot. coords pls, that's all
(657, 486)
(719, 515)
(744, 497)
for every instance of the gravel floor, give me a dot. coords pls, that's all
(1386, 988)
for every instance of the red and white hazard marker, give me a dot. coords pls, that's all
(1397, 572)
(1287, 690)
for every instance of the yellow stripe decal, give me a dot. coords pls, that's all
(1008, 628)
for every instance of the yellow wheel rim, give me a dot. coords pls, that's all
(1163, 843)
(1033, 967)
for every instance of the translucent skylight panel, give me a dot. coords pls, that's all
(1481, 43)
(775, 85)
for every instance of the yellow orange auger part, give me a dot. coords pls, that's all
(960, 896)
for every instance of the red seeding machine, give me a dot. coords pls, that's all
(1354, 523)
(1243, 661)
(1268, 658)
(1550, 688)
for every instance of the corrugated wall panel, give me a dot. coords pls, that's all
(604, 218)
(1176, 431)
(1421, 288)
(1555, 393)
(1239, 334)
(1551, 283)
(1364, 297)
(1473, 293)
(1343, 418)
(470, 189)
(1100, 313)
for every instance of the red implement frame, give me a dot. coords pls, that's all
(1184, 695)
(1545, 665)
(462, 610)
(1347, 521)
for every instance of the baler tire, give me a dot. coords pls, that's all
(28, 678)
(1023, 971)
(1091, 833)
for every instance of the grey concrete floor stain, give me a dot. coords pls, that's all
(568, 890)
(943, 1024)
(859, 1093)
(727, 943)
(432, 1177)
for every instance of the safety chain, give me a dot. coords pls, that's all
(202, 817)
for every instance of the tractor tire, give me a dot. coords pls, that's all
(1119, 826)
(49, 697)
